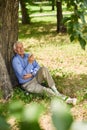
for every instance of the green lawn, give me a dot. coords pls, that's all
(66, 62)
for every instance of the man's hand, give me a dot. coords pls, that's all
(27, 76)
(31, 59)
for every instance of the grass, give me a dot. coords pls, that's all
(26, 98)
(66, 61)
(47, 12)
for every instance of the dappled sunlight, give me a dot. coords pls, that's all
(36, 30)
(56, 51)
(71, 84)
(66, 61)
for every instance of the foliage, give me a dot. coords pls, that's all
(76, 23)
(3, 124)
(61, 115)
(31, 113)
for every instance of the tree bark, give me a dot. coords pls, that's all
(25, 15)
(53, 5)
(5, 83)
(60, 27)
(8, 35)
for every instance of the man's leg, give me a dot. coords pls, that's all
(34, 87)
(43, 74)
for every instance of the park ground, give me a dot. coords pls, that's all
(66, 61)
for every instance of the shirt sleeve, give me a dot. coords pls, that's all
(18, 68)
(29, 68)
(36, 67)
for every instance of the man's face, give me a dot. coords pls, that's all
(19, 49)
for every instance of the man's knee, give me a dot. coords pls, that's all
(43, 68)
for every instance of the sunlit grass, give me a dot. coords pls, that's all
(65, 60)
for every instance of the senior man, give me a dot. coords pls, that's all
(31, 76)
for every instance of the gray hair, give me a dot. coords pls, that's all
(15, 44)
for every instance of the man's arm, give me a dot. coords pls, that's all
(27, 76)
(18, 68)
(36, 67)
(34, 63)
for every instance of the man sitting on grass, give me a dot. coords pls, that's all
(30, 75)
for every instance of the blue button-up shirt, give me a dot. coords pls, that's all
(22, 67)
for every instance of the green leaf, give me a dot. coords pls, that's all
(65, 19)
(61, 116)
(82, 42)
(4, 125)
(16, 109)
(85, 3)
(30, 117)
(32, 112)
(81, 15)
(72, 38)
(29, 126)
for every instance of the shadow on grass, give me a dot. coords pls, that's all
(72, 85)
(68, 84)
(37, 30)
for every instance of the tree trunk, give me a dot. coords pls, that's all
(60, 27)
(5, 83)
(25, 15)
(8, 35)
(53, 5)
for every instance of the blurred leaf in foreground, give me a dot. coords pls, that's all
(16, 109)
(31, 117)
(61, 116)
(4, 125)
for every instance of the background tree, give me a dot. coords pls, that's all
(60, 25)
(24, 11)
(76, 22)
(53, 4)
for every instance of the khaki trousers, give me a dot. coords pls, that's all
(34, 86)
